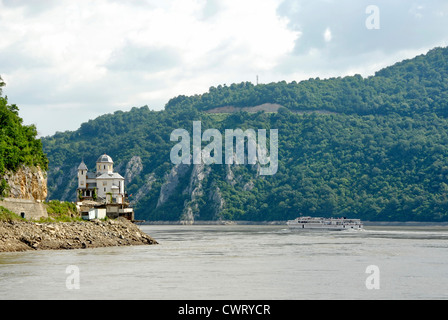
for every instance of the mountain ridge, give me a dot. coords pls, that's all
(353, 90)
(379, 152)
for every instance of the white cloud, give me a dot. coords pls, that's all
(327, 35)
(67, 61)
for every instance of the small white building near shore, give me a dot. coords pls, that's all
(94, 213)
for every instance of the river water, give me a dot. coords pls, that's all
(240, 262)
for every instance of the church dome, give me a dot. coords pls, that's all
(104, 159)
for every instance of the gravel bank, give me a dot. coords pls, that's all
(25, 235)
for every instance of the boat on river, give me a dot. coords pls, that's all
(324, 224)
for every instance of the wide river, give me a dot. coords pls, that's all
(240, 262)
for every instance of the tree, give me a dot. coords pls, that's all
(2, 84)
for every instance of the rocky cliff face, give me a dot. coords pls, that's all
(27, 189)
(27, 183)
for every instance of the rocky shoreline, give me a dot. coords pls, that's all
(19, 235)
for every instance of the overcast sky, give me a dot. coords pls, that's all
(68, 61)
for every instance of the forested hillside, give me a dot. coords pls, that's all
(18, 142)
(380, 153)
(409, 87)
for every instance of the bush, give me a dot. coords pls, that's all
(6, 215)
(61, 211)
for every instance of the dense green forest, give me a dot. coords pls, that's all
(18, 142)
(381, 153)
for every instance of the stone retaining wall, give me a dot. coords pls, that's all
(29, 209)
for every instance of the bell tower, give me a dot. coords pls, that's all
(82, 176)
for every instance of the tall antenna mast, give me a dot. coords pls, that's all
(257, 79)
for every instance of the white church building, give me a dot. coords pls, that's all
(103, 185)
